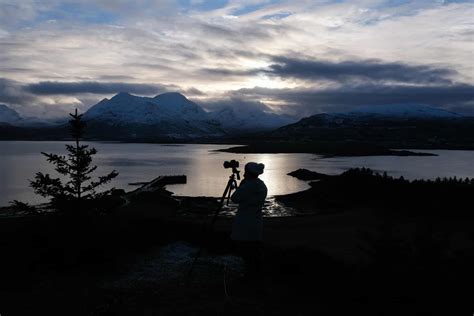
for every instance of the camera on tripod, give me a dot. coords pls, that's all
(234, 164)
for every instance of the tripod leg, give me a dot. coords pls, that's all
(226, 192)
(216, 213)
(228, 195)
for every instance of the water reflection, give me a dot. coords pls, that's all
(19, 161)
(272, 208)
(207, 176)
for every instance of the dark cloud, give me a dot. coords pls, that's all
(362, 70)
(11, 92)
(28, 104)
(345, 72)
(30, 98)
(19, 93)
(367, 82)
(298, 101)
(94, 87)
(15, 69)
(307, 101)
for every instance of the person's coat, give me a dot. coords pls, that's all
(250, 196)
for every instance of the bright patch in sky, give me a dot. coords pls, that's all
(304, 56)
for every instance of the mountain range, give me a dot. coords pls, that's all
(172, 117)
(400, 111)
(166, 116)
(392, 126)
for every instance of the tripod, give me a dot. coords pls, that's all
(231, 185)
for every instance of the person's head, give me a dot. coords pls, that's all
(253, 169)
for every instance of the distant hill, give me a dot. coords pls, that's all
(393, 126)
(402, 111)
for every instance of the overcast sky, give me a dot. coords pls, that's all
(295, 57)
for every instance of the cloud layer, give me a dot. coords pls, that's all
(94, 87)
(298, 57)
(368, 70)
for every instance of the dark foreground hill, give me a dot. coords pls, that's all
(390, 132)
(369, 245)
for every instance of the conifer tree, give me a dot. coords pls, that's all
(76, 184)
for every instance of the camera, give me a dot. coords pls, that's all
(234, 164)
(231, 164)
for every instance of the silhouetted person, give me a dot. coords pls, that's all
(247, 227)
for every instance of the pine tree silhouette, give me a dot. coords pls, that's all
(76, 169)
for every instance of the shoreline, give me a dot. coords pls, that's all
(338, 151)
(245, 147)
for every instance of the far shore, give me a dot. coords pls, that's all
(326, 150)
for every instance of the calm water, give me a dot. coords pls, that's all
(19, 161)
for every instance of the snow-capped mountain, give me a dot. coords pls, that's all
(249, 119)
(126, 109)
(403, 111)
(178, 104)
(8, 115)
(172, 114)
(168, 114)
